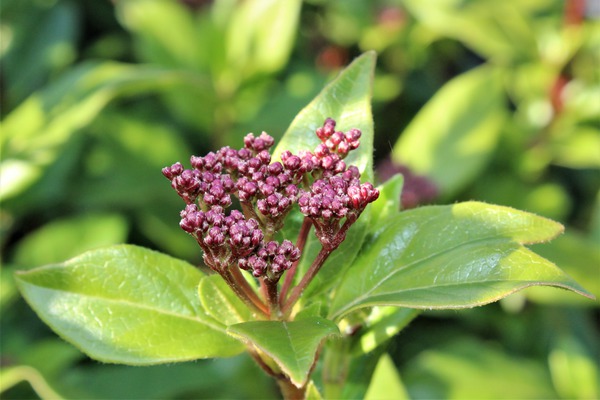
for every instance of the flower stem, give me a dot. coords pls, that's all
(242, 289)
(273, 300)
(306, 279)
(291, 273)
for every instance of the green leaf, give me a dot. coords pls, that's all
(388, 204)
(471, 369)
(36, 131)
(386, 383)
(221, 303)
(292, 344)
(453, 136)
(458, 256)
(261, 47)
(347, 99)
(127, 304)
(381, 325)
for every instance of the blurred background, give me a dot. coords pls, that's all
(497, 101)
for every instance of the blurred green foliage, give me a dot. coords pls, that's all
(488, 100)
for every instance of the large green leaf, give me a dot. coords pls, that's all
(454, 135)
(292, 344)
(457, 256)
(127, 304)
(347, 99)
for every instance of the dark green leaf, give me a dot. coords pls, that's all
(292, 344)
(129, 305)
(463, 255)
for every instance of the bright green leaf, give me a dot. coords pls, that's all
(388, 204)
(386, 383)
(347, 99)
(261, 47)
(454, 135)
(126, 304)
(292, 344)
(221, 303)
(463, 255)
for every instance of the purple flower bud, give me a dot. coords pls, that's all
(327, 130)
(172, 171)
(275, 168)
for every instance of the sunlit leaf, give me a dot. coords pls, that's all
(292, 344)
(454, 135)
(126, 304)
(35, 132)
(261, 34)
(463, 255)
(347, 99)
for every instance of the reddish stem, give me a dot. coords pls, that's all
(291, 273)
(306, 279)
(240, 286)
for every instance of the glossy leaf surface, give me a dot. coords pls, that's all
(458, 256)
(129, 305)
(293, 344)
(347, 99)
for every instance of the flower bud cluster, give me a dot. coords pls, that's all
(271, 259)
(267, 192)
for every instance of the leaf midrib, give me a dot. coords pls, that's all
(415, 263)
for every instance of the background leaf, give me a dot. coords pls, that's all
(454, 135)
(456, 256)
(126, 304)
(386, 382)
(35, 132)
(292, 344)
